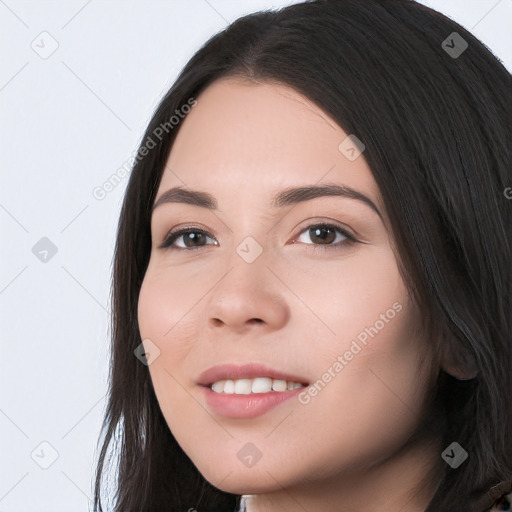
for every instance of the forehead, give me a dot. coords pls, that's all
(254, 138)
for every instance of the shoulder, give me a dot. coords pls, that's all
(502, 504)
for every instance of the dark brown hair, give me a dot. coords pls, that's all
(436, 131)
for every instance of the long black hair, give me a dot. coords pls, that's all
(433, 110)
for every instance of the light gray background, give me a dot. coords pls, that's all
(68, 122)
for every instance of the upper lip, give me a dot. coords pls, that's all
(245, 371)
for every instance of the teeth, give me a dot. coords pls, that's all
(218, 387)
(257, 385)
(243, 386)
(229, 387)
(261, 385)
(279, 385)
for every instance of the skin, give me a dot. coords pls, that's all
(346, 449)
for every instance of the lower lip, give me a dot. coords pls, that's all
(246, 406)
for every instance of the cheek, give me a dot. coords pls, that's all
(158, 313)
(149, 300)
(373, 375)
(357, 298)
(164, 308)
(373, 402)
(166, 320)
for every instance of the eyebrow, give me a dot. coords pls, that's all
(286, 197)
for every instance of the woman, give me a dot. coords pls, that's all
(312, 282)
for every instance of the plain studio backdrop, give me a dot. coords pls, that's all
(79, 81)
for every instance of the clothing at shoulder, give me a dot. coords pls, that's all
(502, 504)
(243, 504)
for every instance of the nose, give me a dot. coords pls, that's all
(249, 296)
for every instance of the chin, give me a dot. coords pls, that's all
(245, 483)
(236, 478)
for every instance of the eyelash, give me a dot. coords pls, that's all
(349, 239)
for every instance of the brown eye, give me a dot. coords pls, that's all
(325, 234)
(192, 239)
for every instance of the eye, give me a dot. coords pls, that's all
(190, 236)
(323, 234)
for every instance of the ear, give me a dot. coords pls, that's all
(458, 361)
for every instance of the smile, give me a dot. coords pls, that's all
(257, 385)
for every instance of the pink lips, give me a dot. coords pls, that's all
(245, 406)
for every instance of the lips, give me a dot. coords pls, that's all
(245, 371)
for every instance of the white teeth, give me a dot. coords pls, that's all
(262, 385)
(243, 386)
(279, 385)
(257, 385)
(218, 387)
(229, 387)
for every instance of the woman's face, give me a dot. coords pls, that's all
(258, 283)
